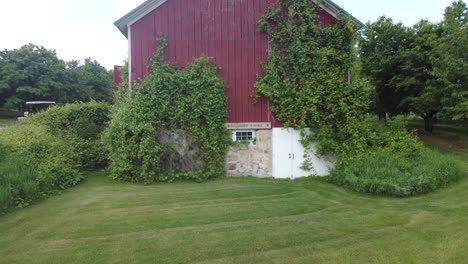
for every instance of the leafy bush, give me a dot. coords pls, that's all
(41, 155)
(388, 137)
(398, 175)
(171, 125)
(56, 163)
(81, 125)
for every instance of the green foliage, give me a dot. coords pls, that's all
(451, 67)
(399, 61)
(34, 73)
(306, 86)
(398, 175)
(123, 87)
(382, 41)
(305, 78)
(421, 69)
(391, 137)
(393, 162)
(41, 155)
(29, 73)
(53, 159)
(17, 180)
(81, 126)
(88, 82)
(186, 105)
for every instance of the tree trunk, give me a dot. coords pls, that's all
(428, 122)
(382, 116)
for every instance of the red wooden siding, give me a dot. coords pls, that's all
(117, 77)
(224, 30)
(325, 19)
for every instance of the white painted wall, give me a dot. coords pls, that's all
(288, 156)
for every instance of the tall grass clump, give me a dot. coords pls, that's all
(55, 161)
(396, 175)
(17, 180)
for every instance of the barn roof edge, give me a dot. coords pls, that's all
(149, 5)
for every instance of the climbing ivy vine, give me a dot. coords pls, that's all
(306, 83)
(171, 126)
(306, 77)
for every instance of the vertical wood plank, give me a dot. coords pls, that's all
(225, 30)
(205, 26)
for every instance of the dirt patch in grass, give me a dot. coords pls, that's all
(420, 217)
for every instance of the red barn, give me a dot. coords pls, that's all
(226, 31)
(117, 77)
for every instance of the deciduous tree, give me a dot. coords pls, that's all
(421, 69)
(34, 73)
(30, 73)
(451, 67)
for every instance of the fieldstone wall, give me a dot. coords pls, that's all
(179, 153)
(253, 160)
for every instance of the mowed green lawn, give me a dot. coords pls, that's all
(237, 221)
(6, 122)
(7, 118)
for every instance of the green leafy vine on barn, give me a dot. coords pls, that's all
(305, 82)
(306, 78)
(171, 125)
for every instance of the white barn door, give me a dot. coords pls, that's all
(288, 156)
(282, 154)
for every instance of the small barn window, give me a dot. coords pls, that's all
(243, 135)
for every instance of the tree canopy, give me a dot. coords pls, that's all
(421, 69)
(451, 68)
(35, 73)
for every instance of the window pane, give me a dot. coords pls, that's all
(241, 136)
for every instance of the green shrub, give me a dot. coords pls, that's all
(56, 163)
(390, 137)
(41, 155)
(398, 175)
(396, 163)
(171, 126)
(81, 125)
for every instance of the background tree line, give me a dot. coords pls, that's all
(421, 69)
(34, 73)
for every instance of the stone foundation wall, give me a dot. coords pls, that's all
(253, 160)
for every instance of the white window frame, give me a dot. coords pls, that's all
(234, 134)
